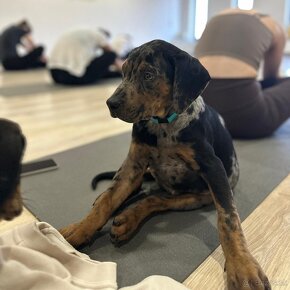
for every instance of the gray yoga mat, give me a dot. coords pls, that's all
(173, 243)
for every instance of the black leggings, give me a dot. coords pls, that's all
(97, 69)
(30, 60)
(251, 109)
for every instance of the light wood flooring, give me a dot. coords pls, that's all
(60, 119)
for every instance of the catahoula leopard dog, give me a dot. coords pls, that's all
(184, 145)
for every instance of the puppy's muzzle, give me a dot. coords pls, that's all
(12, 206)
(114, 104)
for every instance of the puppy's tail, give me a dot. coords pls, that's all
(109, 175)
(102, 176)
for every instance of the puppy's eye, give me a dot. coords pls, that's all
(148, 76)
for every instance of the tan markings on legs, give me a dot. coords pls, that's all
(12, 207)
(243, 271)
(128, 178)
(125, 224)
(187, 154)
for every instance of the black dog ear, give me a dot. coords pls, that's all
(190, 79)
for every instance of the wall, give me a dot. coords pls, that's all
(214, 7)
(144, 19)
(276, 9)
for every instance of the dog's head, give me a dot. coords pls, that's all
(12, 144)
(158, 79)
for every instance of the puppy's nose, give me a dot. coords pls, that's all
(113, 104)
(17, 211)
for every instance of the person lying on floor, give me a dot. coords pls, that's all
(83, 56)
(232, 48)
(20, 34)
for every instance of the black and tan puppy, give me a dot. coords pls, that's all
(12, 144)
(186, 148)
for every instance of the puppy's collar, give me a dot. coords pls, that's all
(169, 119)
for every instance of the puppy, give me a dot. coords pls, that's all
(186, 148)
(12, 145)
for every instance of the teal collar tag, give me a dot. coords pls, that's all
(169, 119)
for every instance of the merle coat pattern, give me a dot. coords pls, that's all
(184, 145)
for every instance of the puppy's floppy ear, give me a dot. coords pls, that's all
(190, 79)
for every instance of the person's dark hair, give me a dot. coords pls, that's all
(24, 24)
(106, 32)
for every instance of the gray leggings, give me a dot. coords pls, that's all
(251, 109)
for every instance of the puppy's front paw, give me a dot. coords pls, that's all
(77, 234)
(244, 272)
(123, 227)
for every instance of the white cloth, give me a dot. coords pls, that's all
(35, 256)
(75, 49)
(122, 44)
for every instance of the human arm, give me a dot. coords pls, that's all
(107, 47)
(27, 42)
(273, 56)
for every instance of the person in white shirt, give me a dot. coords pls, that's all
(83, 56)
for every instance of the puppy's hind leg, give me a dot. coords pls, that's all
(126, 223)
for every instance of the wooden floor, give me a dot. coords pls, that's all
(61, 119)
